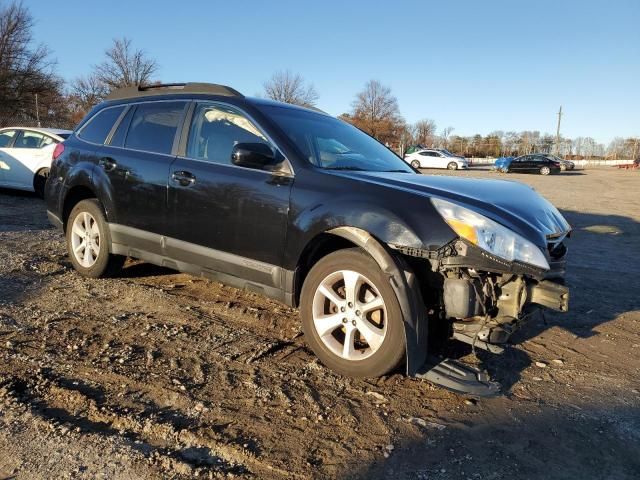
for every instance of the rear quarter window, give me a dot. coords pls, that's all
(97, 129)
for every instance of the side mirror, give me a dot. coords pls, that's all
(254, 155)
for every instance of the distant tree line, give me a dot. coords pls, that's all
(32, 93)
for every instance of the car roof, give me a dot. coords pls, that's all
(48, 131)
(176, 90)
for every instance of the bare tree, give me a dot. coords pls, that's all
(425, 132)
(288, 87)
(84, 94)
(375, 110)
(124, 66)
(26, 70)
(446, 133)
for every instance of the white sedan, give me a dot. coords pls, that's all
(436, 158)
(25, 156)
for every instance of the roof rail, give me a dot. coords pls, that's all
(172, 88)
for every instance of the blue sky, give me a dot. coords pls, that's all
(474, 65)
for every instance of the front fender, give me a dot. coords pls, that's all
(407, 290)
(380, 222)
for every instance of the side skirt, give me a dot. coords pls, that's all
(240, 272)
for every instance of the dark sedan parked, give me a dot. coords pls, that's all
(534, 164)
(564, 164)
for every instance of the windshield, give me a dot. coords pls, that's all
(332, 144)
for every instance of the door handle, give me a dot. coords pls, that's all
(183, 178)
(108, 164)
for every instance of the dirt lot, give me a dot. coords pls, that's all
(161, 375)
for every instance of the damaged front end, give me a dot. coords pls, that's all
(486, 301)
(483, 286)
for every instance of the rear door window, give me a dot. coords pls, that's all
(29, 139)
(154, 126)
(120, 135)
(100, 125)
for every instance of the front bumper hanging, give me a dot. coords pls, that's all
(550, 295)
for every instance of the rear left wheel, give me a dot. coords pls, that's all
(88, 241)
(351, 316)
(40, 181)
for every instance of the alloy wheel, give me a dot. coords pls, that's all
(85, 239)
(349, 315)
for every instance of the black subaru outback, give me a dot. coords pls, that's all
(304, 208)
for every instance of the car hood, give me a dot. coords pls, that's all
(512, 204)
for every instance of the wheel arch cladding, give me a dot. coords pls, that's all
(406, 286)
(320, 246)
(74, 196)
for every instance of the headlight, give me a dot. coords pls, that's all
(489, 235)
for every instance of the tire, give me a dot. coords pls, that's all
(40, 180)
(545, 170)
(563, 168)
(87, 223)
(452, 166)
(415, 164)
(385, 348)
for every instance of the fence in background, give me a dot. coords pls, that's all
(33, 123)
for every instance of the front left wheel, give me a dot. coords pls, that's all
(88, 241)
(415, 164)
(351, 316)
(452, 166)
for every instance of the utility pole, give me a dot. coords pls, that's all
(37, 111)
(558, 132)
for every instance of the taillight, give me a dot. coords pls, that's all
(59, 150)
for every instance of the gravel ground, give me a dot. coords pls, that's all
(156, 374)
